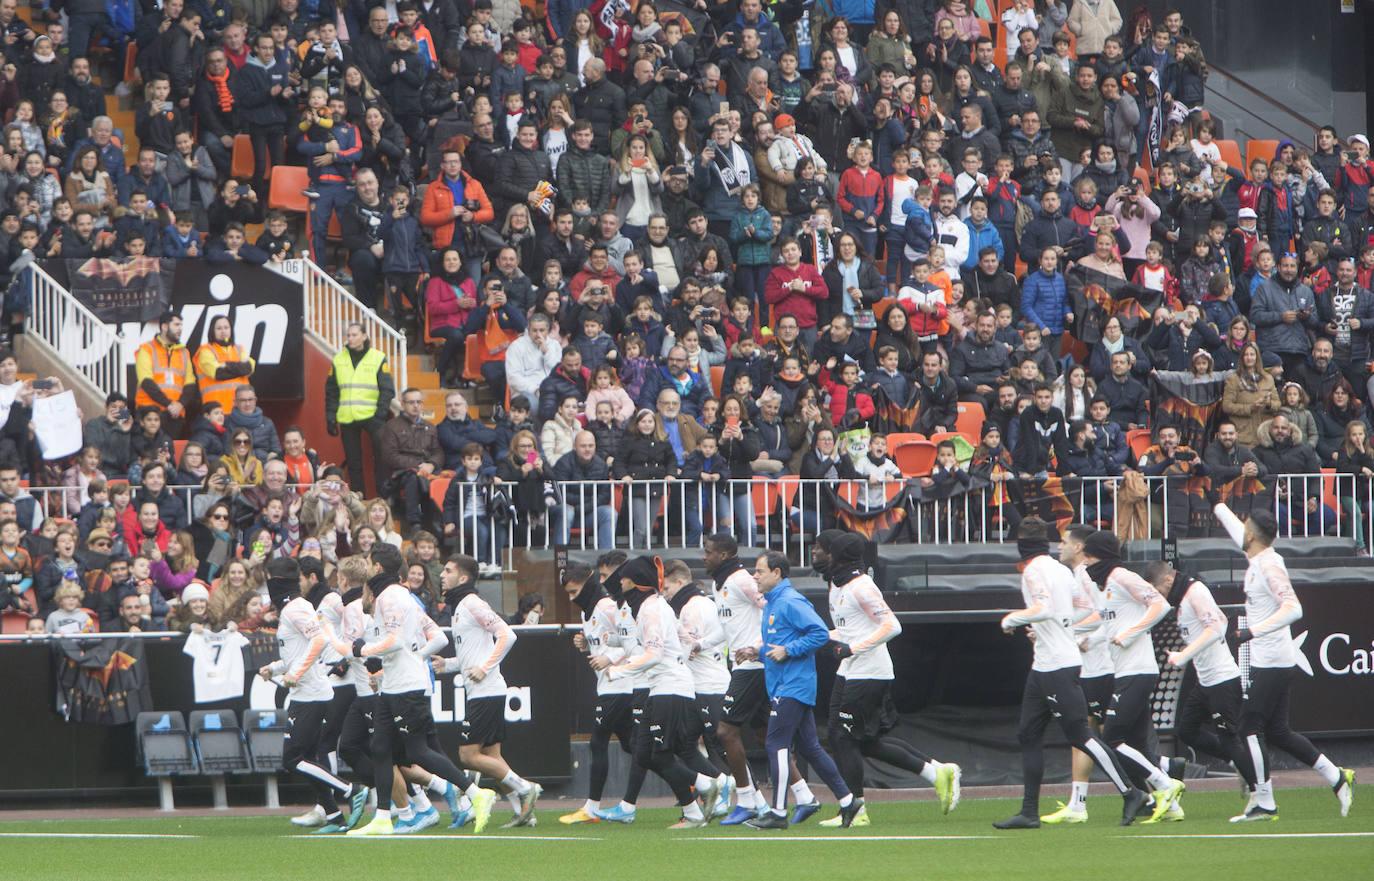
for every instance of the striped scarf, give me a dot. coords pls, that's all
(225, 97)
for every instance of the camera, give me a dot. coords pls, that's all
(829, 87)
(472, 205)
(1133, 188)
(124, 414)
(639, 118)
(1185, 455)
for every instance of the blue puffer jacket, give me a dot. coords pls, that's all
(980, 237)
(789, 620)
(1045, 300)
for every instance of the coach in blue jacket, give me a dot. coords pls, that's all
(792, 632)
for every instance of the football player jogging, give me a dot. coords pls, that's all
(398, 640)
(624, 637)
(1209, 717)
(1131, 606)
(1052, 687)
(481, 639)
(1270, 607)
(791, 635)
(301, 641)
(1095, 678)
(704, 639)
(740, 607)
(330, 608)
(614, 700)
(861, 708)
(666, 735)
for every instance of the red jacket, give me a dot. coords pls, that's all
(861, 192)
(133, 534)
(843, 398)
(802, 303)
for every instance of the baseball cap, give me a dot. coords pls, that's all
(1361, 138)
(783, 119)
(1246, 212)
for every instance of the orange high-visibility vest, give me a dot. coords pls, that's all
(170, 370)
(220, 390)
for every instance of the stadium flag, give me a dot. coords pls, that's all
(101, 681)
(1049, 498)
(890, 523)
(137, 289)
(891, 417)
(1188, 402)
(1096, 297)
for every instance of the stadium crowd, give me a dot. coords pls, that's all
(677, 243)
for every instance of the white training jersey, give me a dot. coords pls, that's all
(699, 628)
(1197, 613)
(863, 622)
(1268, 590)
(481, 639)
(626, 638)
(353, 625)
(1126, 601)
(301, 641)
(1087, 599)
(602, 641)
(740, 607)
(903, 188)
(217, 664)
(331, 613)
(662, 658)
(400, 635)
(1047, 588)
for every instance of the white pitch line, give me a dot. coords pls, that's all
(442, 837)
(89, 835)
(1252, 835)
(842, 837)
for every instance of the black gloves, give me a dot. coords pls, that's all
(1213, 497)
(332, 428)
(358, 648)
(339, 667)
(1243, 635)
(842, 651)
(373, 664)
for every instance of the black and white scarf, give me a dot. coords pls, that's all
(733, 169)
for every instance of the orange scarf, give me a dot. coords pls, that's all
(226, 98)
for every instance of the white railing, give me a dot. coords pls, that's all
(73, 334)
(784, 512)
(330, 309)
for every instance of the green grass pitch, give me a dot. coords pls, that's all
(905, 840)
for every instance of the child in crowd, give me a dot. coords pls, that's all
(606, 388)
(877, 469)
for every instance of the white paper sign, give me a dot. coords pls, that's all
(57, 424)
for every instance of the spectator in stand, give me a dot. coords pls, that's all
(450, 297)
(357, 395)
(1250, 397)
(145, 525)
(1339, 408)
(248, 416)
(110, 434)
(1045, 300)
(209, 431)
(796, 288)
(84, 470)
(1124, 394)
(495, 325)
(531, 358)
(265, 97)
(410, 454)
(1283, 310)
(584, 503)
(1283, 452)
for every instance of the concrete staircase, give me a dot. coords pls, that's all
(422, 375)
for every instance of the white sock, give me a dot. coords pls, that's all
(1327, 769)
(847, 800)
(1160, 780)
(513, 799)
(928, 771)
(421, 801)
(802, 793)
(1264, 795)
(438, 786)
(516, 782)
(406, 813)
(1078, 798)
(464, 803)
(472, 790)
(589, 806)
(382, 815)
(626, 806)
(692, 811)
(760, 803)
(703, 783)
(745, 795)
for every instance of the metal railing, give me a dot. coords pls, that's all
(787, 512)
(74, 335)
(330, 308)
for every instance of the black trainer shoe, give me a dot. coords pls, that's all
(1017, 821)
(768, 820)
(849, 812)
(1131, 803)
